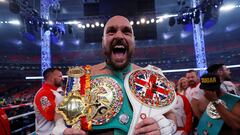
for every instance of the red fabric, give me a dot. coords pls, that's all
(4, 123)
(188, 112)
(46, 107)
(84, 124)
(83, 84)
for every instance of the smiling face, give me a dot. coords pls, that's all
(118, 42)
(192, 78)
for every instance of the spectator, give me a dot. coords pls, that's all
(182, 86)
(45, 102)
(224, 74)
(222, 114)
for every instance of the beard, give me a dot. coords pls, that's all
(111, 63)
(108, 53)
(192, 83)
(57, 84)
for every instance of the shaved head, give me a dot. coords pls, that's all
(118, 42)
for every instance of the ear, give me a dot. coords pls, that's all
(220, 72)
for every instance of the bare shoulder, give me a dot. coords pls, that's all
(95, 69)
(100, 69)
(98, 66)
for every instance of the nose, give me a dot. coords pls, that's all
(119, 35)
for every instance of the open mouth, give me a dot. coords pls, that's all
(119, 50)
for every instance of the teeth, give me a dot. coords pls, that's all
(118, 46)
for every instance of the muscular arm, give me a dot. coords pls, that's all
(195, 108)
(232, 119)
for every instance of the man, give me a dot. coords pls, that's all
(118, 45)
(222, 115)
(193, 92)
(225, 76)
(193, 83)
(45, 102)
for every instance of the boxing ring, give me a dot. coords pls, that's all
(5, 121)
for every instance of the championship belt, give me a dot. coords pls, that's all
(96, 103)
(212, 111)
(77, 106)
(108, 96)
(210, 122)
(150, 94)
(112, 109)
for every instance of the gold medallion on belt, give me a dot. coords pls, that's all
(88, 103)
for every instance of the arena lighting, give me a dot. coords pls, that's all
(38, 77)
(50, 22)
(165, 16)
(152, 20)
(79, 25)
(73, 22)
(97, 24)
(164, 71)
(182, 18)
(87, 25)
(143, 20)
(227, 7)
(3, 1)
(14, 22)
(131, 22)
(182, 70)
(137, 22)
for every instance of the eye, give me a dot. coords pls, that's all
(127, 31)
(111, 30)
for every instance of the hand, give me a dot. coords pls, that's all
(210, 95)
(184, 133)
(74, 131)
(148, 126)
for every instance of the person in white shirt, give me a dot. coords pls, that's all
(194, 94)
(224, 74)
(45, 102)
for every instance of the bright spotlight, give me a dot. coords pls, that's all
(227, 7)
(97, 24)
(14, 22)
(131, 22)
(152, 20)
(87, 25)
(142, 20)
(50, 22)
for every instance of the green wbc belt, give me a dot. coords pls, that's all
(111, 109)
